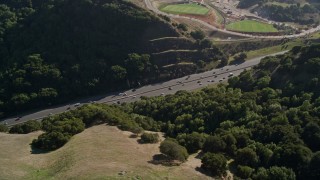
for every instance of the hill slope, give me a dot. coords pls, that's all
(100, 152)
(51, 51)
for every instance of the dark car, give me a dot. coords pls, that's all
(18, 118)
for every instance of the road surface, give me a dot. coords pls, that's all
(150, 6)
(188, 83)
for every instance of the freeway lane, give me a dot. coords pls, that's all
(188, 83)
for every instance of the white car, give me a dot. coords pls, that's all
(77, 104)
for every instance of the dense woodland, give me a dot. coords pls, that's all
(52, 51)
(265, 122)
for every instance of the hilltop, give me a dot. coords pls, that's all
(100, 152)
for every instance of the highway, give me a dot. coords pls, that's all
(188, 83)
(151, 7)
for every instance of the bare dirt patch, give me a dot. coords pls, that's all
(210, 18)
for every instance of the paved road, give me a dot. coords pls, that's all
(157, 11)
(188, 83)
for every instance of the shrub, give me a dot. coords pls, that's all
(25, 128)
(3, 128)
(173, 150)
(183, 27)
(51, 141)
(58, 132)
(198, 34)
(149, 138)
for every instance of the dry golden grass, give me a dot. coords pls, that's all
(100, 152)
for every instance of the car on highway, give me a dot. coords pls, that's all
(120, 94)
(230, 74)
(170, 88)
(18, 118)
(77, 104)
(125, 94)
(201, 77)
(220, 80)
(134, 96)
(199, 82)
(214, 73)
(162, 94)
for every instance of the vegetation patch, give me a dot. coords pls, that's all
(251, 26)
(149, 138)
(193, 9)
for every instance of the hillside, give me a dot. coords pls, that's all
(263, 125)
(100, 152)
(266, 120)
(56, 51)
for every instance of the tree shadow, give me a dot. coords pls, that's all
(35, 150)
(202, 171)
(133, 136)
(161, 159)
(236, 61)
(199, 155)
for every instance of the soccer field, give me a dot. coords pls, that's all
(185, 9)
(251, 26)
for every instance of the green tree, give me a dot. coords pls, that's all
(314, 166)
(173, 150)
(247, 157)
(244, 171)
(214, 144)
(118, 72)
(193, 142)
(25, 128)
(198, 34)
(215, 163)
(281, 173)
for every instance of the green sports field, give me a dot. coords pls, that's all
(185, 9)
(251, 26)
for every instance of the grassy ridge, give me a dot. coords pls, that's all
(251, 26)
(185, 9)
